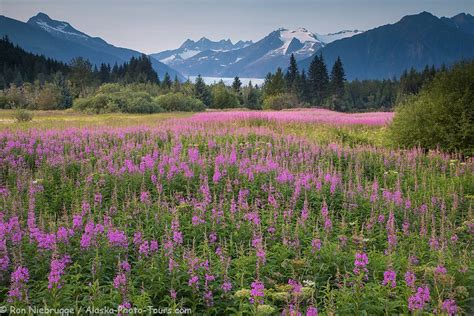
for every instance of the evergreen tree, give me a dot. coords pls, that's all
(104, 73)
(236, 85)
(65, 101)
(302, 87)
(81, 74)
(176, 84)
(292, 75)
(201, 91)
(274, 83)
(166, 83)
(252, 100)
(338, 77)
(318, 80)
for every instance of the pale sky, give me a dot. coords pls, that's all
(152, 26)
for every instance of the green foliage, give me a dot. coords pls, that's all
(201, 91)
(251, 97)
(442, 115)
(22, 115)
(318, 79)
(136, 98)
(280, 101)
(222, 98)
(180, 102)
(274, 83)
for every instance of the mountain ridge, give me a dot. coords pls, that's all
(59, 40)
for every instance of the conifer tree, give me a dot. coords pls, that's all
(201, 91)
(338, 77)
(236, 84)
(166, 83)
(318, 80)
(291, 74)
(274, 83)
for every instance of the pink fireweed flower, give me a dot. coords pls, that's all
(390, 278)
(226, 286)
(120, 280)
(137, 238)
(145, 197)
(193, 281)
(18, 278)
(144, 249)
(312, 311)
(177, 237)
(440, 270)
(295, 286)
(98, 198)
(257, 292)
(125, 266)
(315, 245)
(153, 246)
(360, 262)
(117, 238)
(77, 221)
(58, 266)
(418, 300)
(327, 225)
(63, 234)
(173, 294)
(449, 306)
(410, 278)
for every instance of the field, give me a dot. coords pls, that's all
(290, 212)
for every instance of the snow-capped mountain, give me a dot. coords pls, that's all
(59, 40)
(191, 48)
(57, 28)
(331, 37)
(250, 60)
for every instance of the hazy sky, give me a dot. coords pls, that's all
(152, 26)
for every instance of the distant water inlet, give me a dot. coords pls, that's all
(228, 81)
(307, 116)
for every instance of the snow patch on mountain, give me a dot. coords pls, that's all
(331, 37)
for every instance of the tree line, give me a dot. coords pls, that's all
(36, 82)
(321, 88)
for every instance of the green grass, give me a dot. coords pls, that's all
(69, 118)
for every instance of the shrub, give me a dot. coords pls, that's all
(180, 102)
(280, 101)
(441, 115)
(22, 115)
(49, 98)
(222, 98)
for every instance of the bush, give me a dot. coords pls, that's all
(222, 98)
(280, 101)
(22, 115)
(441, 115)
(49, 98)
(180, 102)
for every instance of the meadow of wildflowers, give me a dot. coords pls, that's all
(233, 218)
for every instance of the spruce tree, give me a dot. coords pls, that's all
(236, 85)
(302, 87)
(201, 91)
(338, 77)
(318, 80)
(166, 83)
(274, 83)
(291, 74)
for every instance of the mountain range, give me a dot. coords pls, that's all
(247, 59)
(59, 40)
(414, 41)
(383, 52)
